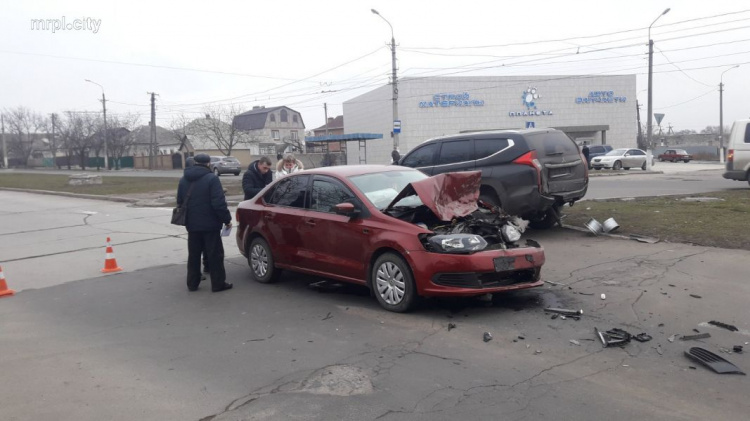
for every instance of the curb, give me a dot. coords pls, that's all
(76, 195)
(614, 174)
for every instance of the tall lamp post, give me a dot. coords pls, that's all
(394, 81)
(104, 109)
(649, 128)
(721, 113)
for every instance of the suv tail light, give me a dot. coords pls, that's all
(530, 159)
(730, 155)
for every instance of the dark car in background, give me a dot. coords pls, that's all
(530, 173)
(597, 150)
(675, 155)
(225, 165)
(393, 229)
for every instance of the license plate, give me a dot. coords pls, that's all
(504, 263)
(559, 172)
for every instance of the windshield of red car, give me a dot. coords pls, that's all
(381, 188)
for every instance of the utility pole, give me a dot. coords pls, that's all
(104, 109)
(394, 82)
(325, 110)
(152, 148)
(649, 127)
(54, 155)
(640, 133)
(2, 137)
(721, 114)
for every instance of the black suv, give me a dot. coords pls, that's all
(530, 173)
(597, 150)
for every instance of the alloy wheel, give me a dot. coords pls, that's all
(259, 260)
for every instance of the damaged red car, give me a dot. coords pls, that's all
(393, 229)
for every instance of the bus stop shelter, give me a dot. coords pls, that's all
(338, 142)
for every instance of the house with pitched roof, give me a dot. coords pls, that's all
(276, 129)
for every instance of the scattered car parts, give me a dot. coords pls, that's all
(712, 361)
(724, 325)
(613, 337)
(693, 337)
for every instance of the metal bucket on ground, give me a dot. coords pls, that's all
(610, 225)
(594, 226)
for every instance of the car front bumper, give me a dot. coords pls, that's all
(602, 164)
(465, 275)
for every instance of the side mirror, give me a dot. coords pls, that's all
(346, 209)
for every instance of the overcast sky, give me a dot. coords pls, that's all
(303, 53)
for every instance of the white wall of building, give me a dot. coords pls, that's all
(561, 101)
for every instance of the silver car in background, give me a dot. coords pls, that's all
(225, 164)
(623, 158)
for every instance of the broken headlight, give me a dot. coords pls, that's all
(510, 233)
(457, 243)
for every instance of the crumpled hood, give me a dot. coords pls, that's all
(195, 172)
(448, 196)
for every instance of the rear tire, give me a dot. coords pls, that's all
(617, 166)
(643, 167)
(547, 220)
(393, 283)
(260, 259)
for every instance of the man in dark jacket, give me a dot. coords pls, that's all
(257, 177)
(585, 151)
(206, 212)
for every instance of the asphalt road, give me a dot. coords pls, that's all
(138, 345)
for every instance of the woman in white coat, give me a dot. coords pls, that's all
(289, 164)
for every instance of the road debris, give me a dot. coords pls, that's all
(328, 316)
(724, 325)
(556, 283)
(672, 338)
(554, 316)
(575, 342)
(712, 361)
(737, 349)
(521, 338)
(695, 296)
(604, 297)
(644, 239)
(659, 350)
(325, 286)
(537, 352)
(564, 311)
(451, 326)
(642, 337)
(694, 337)
(487, 336)
(613, 337)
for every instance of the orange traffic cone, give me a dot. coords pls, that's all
(110, 263)
(3, 286)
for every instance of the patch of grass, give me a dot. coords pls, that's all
(670, 218)
(111, 185)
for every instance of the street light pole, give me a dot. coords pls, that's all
(104, 109)
(394, 80)
(649, 127)
(721, 113)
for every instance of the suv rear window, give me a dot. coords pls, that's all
(486, 147)
(230, 159)
(552, 143)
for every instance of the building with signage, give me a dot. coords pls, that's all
(592, 109)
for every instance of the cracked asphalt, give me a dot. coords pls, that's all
(138, 345)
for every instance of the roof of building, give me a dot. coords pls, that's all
(335, 123)
(142, 135)
(256, 118)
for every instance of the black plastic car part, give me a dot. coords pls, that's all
(712, 361)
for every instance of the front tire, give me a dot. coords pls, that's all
(260, 259)
(393, 283)
(617, 166)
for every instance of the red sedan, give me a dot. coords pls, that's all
(393, 229)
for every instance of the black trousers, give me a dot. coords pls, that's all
(209, 244)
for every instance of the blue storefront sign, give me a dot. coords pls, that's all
(601, 97)
(451, 100)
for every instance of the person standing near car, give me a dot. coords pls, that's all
(257, 177)
(288, 165)
(207, 211)
(585, 151)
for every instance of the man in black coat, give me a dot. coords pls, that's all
(585, 151)
(257, 177)
(206, 213)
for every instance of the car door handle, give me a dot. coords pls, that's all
(310, 222)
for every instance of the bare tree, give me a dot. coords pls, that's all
(23, 125)
(217, 128)
(77, 132)
(120, 141)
